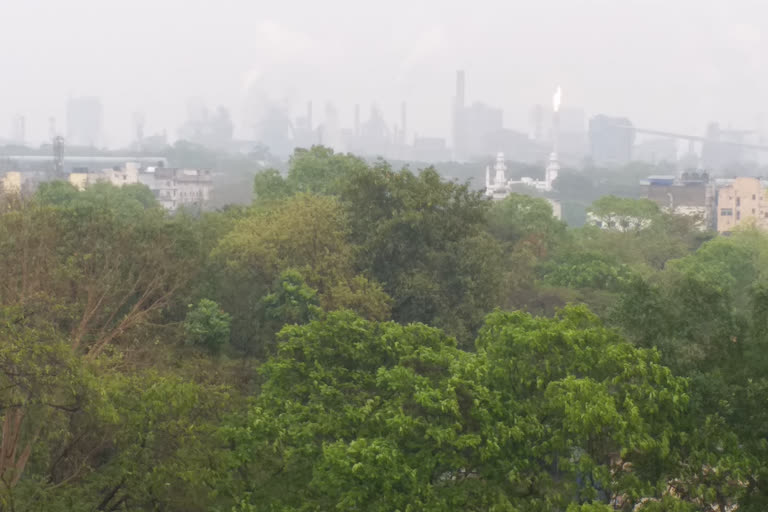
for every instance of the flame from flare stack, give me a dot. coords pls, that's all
(556, 99)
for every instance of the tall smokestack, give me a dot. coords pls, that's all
(403, 121)
(357, 120)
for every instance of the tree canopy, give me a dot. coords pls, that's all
(364, 337)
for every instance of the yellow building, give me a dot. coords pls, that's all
(11, 183)
(81, 180)
(743, 199)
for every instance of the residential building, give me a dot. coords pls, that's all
(178, 188)
(173, 188)
(691, 195)
(740, 201)
(11, 183)
(82, 180)
(125, 175)
(617, 222)
(75, 163)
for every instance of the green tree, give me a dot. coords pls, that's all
(207, 326)
(424, 239)
(625, 214)
(269, 185)
(96, 271)
(319, 170)
(591, 418)
(304, 234)
(519, 218)
(389, 417)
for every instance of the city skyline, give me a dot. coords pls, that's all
(698, 61)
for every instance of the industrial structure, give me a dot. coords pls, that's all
(173, 188)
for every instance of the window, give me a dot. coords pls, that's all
(738, 215)
(753, 211)
(754, 197)
(738, 201)
(726, 212)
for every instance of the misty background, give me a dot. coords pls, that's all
(666, 65)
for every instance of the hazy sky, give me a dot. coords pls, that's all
(667, 64)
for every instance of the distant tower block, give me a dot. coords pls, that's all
(19, 130)
(460, 85)
(138, 127)
(458, 116)
(403, 123)
(357, 119)
(58, 156)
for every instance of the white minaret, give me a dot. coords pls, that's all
(487, 178)
(500, 180)
(553, 167)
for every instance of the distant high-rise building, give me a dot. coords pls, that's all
(459, 143)
(480, 122)
(474, 125)
(403, 123)
(18, 133)
(85, 118)
(536, 123)
(330, 132)
(573, 132)
(611, 140)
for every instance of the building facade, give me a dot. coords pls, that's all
(691, 195)
(173, 188)
(611, 140)
(85, 117)
(178, 188)
(740, 201)
(500, 187)
(12, 183)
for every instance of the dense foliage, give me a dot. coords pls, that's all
(366, 338)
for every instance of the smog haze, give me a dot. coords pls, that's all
(667, 65)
